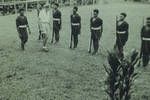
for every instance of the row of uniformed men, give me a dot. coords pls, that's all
(96, 26)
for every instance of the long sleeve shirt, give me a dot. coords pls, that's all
(44, 16)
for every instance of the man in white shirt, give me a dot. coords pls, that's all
(44, 21)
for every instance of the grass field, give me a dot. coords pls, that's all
(64, 74)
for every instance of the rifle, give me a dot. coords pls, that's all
(52, 36)
(140, 57)
(53, 33)
(116, 22)
(90, 48)
(29, 29)
(71, 41)
(71, 32)
(90, 45)
(40, 35)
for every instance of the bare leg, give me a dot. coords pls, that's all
(45, 38)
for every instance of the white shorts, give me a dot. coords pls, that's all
(44, 27)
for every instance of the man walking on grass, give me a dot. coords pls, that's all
(22, 25)
(44, 20)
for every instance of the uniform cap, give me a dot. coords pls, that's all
(148, 20)
(76, 8)
(21, 9)
(124, 14)
(96, 10)
(56, 4)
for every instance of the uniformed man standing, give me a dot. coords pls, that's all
(44, 20)
(122, 28)
(22, 25)
(145, 39)
(75, 27)
(56, 23)
(96, 27)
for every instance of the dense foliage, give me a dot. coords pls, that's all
(121, 75)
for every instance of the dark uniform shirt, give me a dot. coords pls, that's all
(96, 27)
(21, 20)
(122, 32)
(145, 33)
(21, 24)
(145, 36)
(75, 23)
(57, 19)
(96, 22)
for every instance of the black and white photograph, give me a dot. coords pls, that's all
(74, 49)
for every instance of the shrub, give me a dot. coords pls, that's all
(121, 75)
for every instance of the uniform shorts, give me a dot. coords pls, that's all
(23, 35)
(146, 47)
(96, 34)
(75, 30)
(44, 27)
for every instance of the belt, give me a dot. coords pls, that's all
(56, 19)
(23, 26)
(44, 22)
(96, 28)
(121, 32)
(146, 39)
(75, 24)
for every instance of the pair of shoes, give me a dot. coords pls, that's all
(94, 53)
(39, 38)
(56, 42)
(144, 65)
(45, 49)
(22, 46)
(51, 41)
(70, 47)
(75, 47)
